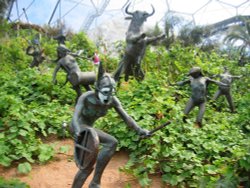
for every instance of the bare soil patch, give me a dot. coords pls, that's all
(59, 173)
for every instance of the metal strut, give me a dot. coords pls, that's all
(52, 15)
(92, 16)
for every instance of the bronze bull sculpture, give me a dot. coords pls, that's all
(136, 43)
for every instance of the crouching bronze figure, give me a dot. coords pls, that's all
(90, 107)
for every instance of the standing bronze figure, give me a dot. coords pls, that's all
(226, 78)
(198, 85)
(90, 107)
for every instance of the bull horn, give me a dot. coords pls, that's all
(152, 11)
(126, 10)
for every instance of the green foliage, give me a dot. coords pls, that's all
(12, 183)
(64, 149)
(240, 35)
(24, 168)
(4, 27)
(31, 108)
(81, 41)
(45, 153)
(190, 35)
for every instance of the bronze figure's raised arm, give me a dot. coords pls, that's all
(90, 107)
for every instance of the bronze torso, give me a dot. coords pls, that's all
(198, 86)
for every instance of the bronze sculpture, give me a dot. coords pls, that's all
(75, 76)
(91, 106)
(136, 43)
(198, 85)
(61, 38)
(226, 78)
(36, 52)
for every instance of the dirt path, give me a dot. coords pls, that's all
(60, 172)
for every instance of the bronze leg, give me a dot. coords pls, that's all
(109, 144)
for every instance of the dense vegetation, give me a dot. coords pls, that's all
(216, 155)
(12, 183)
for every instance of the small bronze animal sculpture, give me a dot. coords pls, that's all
(198, 85)
(90, 107)
(37, 53)
(136, 43)
(226, 78)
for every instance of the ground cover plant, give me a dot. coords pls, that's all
(216, 155)
(12, 183)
